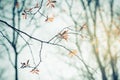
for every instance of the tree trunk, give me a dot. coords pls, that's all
(16, 67)
(16, 60)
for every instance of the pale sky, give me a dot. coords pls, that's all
(54, 65)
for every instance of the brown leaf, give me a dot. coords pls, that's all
(51, 3)
(83, 27)
(24, 15)
(64, 35)
(24, 64)
(50, 19)
(73, 53)
(35, 71)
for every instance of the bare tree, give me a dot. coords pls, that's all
(91, 19)
(93, 10)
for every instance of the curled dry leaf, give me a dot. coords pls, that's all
(64, 35)
(24, 64)
(49, 19)
(73, 53)
(83, 27)
(51, 3)
(24, 15)
(35, 71)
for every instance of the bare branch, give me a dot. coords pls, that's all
(36, 39)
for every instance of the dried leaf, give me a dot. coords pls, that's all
(47, 4)
(72, 53)
(24, 15)
(50, 19)
(35, 71)
(23, 65)
(64, 35)
(83, 27)
(51, 3)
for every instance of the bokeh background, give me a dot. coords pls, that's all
(95, 35)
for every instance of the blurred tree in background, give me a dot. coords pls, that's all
(88, 40)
